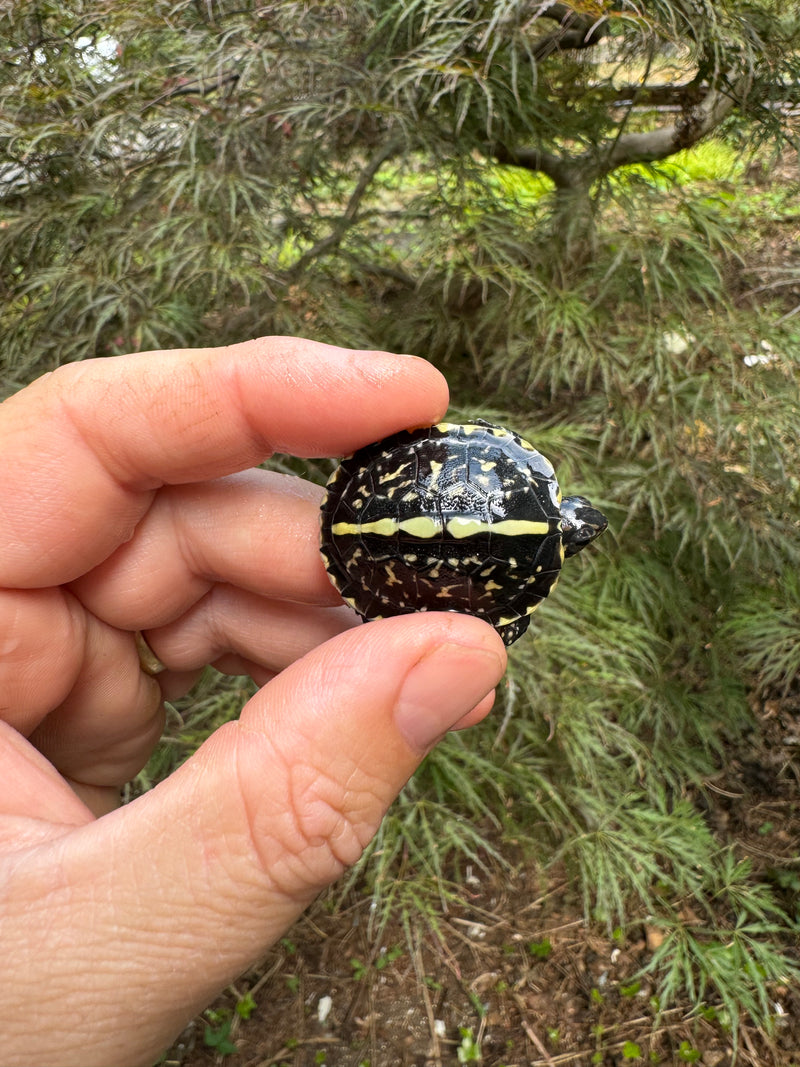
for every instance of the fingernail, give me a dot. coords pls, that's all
(441, 688)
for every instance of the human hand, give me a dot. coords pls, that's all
(120, 511)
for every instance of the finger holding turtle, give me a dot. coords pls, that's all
(122, 512)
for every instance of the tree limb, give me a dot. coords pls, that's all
(346, 220)
(579, 171)
(562, 169)
(575, 30)
(694, 124)
(686, 94)
(192, 88)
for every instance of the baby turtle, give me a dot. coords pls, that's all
(451, 517)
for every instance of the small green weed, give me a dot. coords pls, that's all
(540, 949)
(477, 1003)
(245, 1006)
(468, 1050)
(387, 956)
(384, 958)
(216, 1034)
(630, 990)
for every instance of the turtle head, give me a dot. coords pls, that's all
(581, 523)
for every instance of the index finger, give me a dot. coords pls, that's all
(84, 448)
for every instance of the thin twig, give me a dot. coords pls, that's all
(334, 238)
(530, 1032)
(419, 968)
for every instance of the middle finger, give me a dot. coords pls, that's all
(256, 530)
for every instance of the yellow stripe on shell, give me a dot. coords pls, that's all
(420, 526)
(425, 527)
(460, 527)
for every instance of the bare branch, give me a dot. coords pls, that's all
(562, 169)
(575, 30)
(694, 124)
(346, 220)
(571, 172)
(192, 88)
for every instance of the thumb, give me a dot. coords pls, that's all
(189, 885)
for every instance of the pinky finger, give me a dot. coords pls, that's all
(102, 734)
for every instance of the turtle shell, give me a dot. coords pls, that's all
(445, 518)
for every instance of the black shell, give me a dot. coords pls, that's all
(445, 518)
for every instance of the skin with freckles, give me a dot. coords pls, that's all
(128, 501)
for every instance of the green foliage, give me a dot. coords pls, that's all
(245, 1006)
(219, 171)
(729, 952)
(710, 161)
(216, 1034)
(468, 1051)
(540, 950)
(764, 630)
(195, 175)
